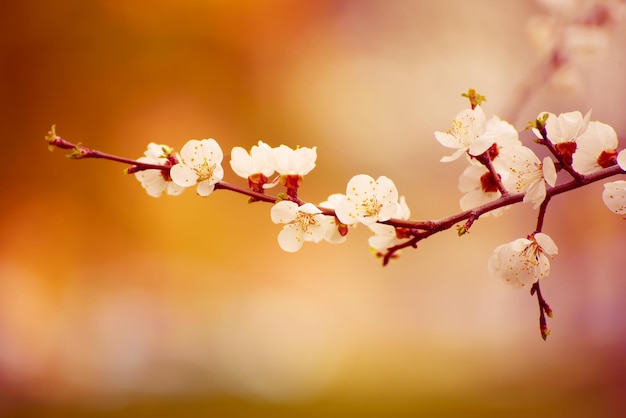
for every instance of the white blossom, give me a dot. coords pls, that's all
(155, 182)
(335, 232)
(529, 175)
(466, 134)
(367, 200)
(566, 127)
(479, 187)
(258, 161)
(302, 223)
(524, 261)
(288, 161)
(473, 134)
(200, 163)
(386, 236)
(596, 148)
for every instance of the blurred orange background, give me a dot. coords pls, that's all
(113, 303)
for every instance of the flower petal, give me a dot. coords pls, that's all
(183, 175)
(205, 188)
(289, 238)
(549, 171)
(621, 160)
(241, 162)
(284, 212)
(614, 196)
(546, 243)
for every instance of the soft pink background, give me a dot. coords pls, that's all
(113, 303)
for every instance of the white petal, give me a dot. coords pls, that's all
(542, 269)
(403, 211)
(549, 171)
(454, 156)
(309, 208)
(210, 149)
(284, 212)
(288, 161)
(470, 178)
(191, 150)
(331, 233)
(152, 181)
(387, 212)
(289, 239)
(315, 232)
(345, 210)
(476, 198)
(614, 196)
(262, 160)
(174, 189)
(361, 186)
(157, 153)
(536, 193)
(218, 174)
(546, 243)
(304, 160)
(332, 201)
(205, 188)
(183, 175)
(519, 244)
(281, 156)
(241, 162)
(503, 132)
(384, 237)
(481, 144)
(386, 191)
(447, 140)
(621, 160)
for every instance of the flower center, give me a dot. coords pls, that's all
(305, 220)
(371, 207)
(204, 171)
(463, 128)
(532, 173)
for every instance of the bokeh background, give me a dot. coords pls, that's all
(116, 304)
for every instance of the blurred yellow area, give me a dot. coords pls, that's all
(113, 303)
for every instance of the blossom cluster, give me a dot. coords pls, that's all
(500, 171)
(499, 165)
(573, 33)
(199, 163)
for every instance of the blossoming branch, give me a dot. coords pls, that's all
(500, 172)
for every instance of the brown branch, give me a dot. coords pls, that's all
(418, 228)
